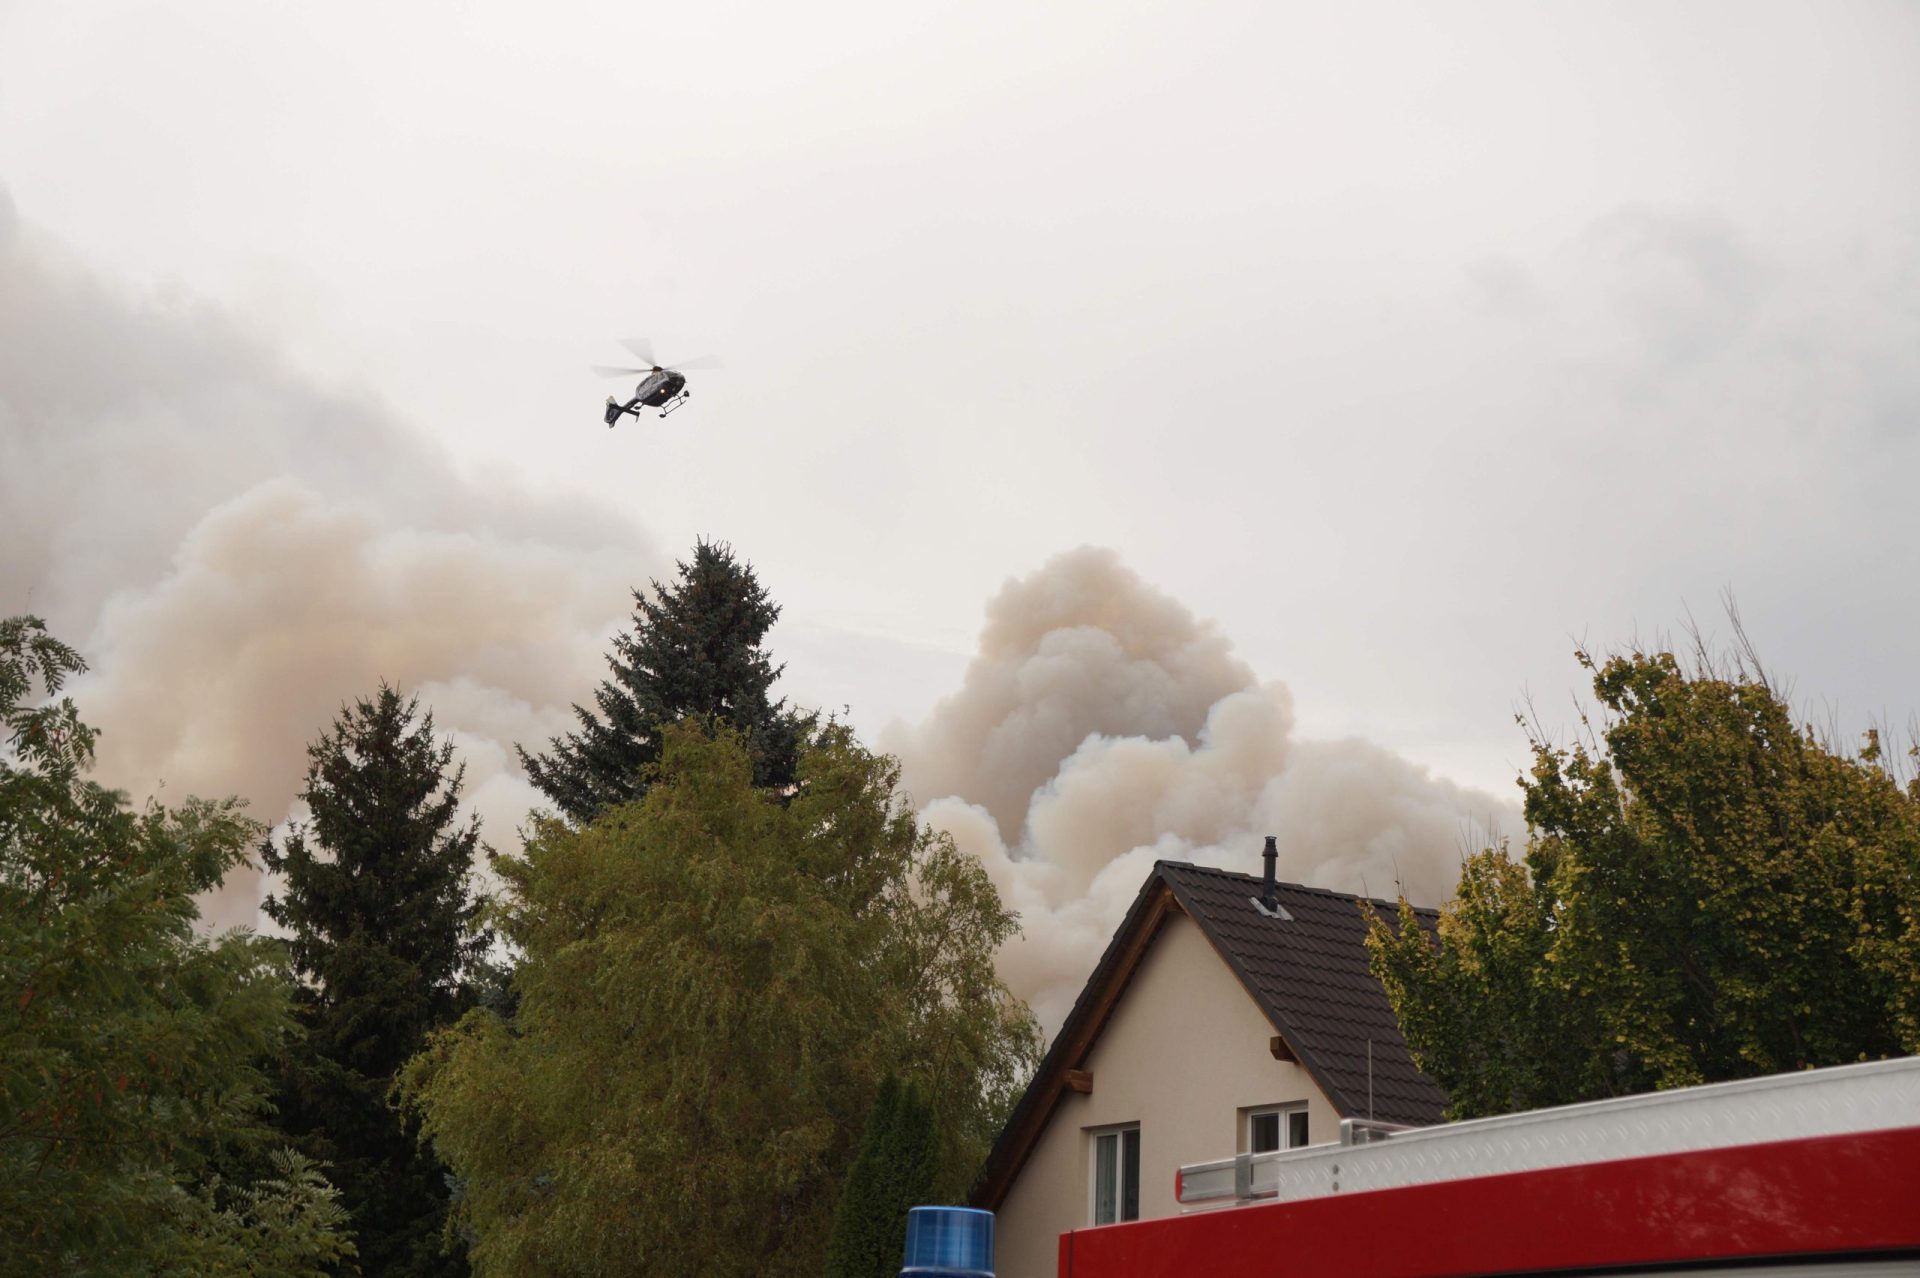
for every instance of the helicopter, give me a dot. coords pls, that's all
(661, 386)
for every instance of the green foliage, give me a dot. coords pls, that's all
(1712, 893)
(694, 652)
(714, 984)
(895, 1170)
(129, 1045)
(287, 1225)
(1482, 1012)
(379, 901)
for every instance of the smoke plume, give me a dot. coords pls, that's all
(238, 551)
(1101, 727)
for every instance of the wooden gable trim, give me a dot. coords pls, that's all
(1068, 1057)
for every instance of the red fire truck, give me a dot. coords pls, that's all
(1805, 1173)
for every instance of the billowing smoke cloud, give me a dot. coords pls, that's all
(1102, 727)
(238, 551)
(1081, 648)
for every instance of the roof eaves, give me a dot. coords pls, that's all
(1075, 1039)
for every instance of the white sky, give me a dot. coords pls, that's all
(1408, 341)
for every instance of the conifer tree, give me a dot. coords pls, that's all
(694, 651)
(379, 900)
(894, 1170)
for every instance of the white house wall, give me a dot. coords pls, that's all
(1184, 1052)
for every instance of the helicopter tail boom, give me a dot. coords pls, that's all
(615, 408)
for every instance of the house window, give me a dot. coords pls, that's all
(1276, 1127)
(1116, 1175)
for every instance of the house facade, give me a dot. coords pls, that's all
(1228, 1014)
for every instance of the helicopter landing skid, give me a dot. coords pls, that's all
(675, 402)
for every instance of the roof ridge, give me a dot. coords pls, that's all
(1390, 903)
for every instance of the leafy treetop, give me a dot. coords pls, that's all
(714, 984)
(1708, 892)
(130, 1044)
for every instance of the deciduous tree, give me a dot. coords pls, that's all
(715, 980)
(1709, 891)
(130, 1045)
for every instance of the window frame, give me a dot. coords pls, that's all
(1284, 1112)
(1119, 1133)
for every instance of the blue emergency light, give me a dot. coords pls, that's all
(949, 1242)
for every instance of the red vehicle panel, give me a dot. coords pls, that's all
(1853, 1195)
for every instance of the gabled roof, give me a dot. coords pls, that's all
(1307, 971)
(1310, 976)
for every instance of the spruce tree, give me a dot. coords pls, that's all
(894, 1171)
(694, 651)
(379, 900)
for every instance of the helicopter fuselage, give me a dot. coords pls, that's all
(657, 388)
(663, 389)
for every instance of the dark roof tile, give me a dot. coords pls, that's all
(1309, 974)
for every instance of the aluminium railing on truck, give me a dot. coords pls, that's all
(1819, 1169)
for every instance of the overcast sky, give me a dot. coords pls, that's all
(1407, 342)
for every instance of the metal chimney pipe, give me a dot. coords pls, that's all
(1270, 856)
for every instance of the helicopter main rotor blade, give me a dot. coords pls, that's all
(643, 348)
(607, 370)
(698, 361)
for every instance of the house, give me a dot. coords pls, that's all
(1229, 1014)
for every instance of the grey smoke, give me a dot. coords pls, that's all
(1102, 727)
(238, 551)
(1080, 648)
